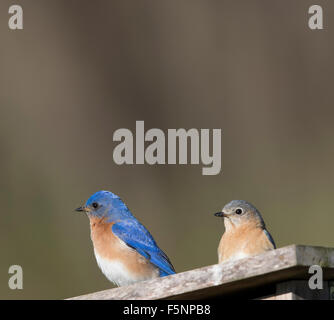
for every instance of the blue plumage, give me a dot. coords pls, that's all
(270, 237)
(135, 235)
(105, 204)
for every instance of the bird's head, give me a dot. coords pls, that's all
(105, 204)
(238, 212)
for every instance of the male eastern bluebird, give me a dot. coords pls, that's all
(124, 249)
(245, 232)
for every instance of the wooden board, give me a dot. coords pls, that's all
(230, 278)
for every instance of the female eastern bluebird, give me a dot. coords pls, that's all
(245, 232)
(124, 249)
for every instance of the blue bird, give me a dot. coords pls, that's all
(124, 249)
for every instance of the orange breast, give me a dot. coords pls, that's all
(110, 247)
(241, 242)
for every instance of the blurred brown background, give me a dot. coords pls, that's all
(82, 69)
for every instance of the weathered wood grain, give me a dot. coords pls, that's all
(222, 280)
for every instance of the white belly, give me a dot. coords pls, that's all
(236, 256)
(116, 272)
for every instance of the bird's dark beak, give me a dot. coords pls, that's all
(220, 214)
(80, 209)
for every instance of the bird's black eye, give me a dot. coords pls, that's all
(238, 211)
(95, 205)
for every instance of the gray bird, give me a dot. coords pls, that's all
(245, 232)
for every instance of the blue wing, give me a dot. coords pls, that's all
(136, 236)
(270, 238)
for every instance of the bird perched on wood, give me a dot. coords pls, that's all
(124, 249)
(245, 232)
